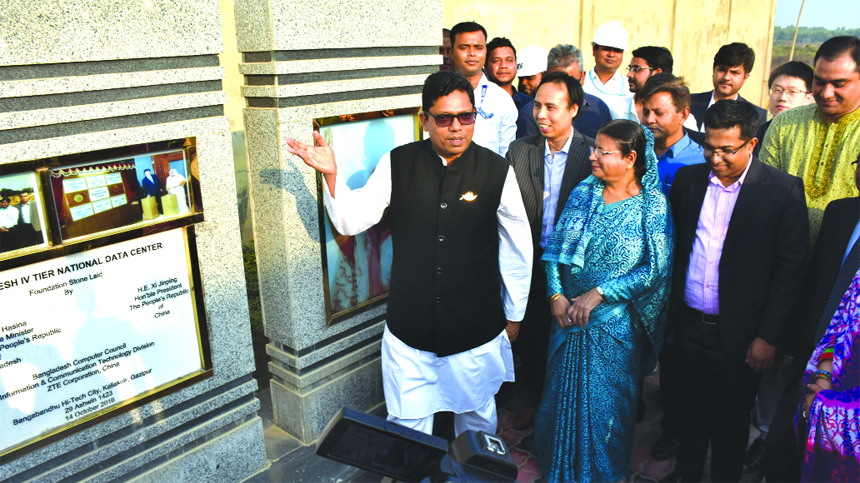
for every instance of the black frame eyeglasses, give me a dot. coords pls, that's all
(445, 120)
(710, 151)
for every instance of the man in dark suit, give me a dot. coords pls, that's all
(152, 187)
(548, 166)
(742, 235)
(732, 66)
(29, 223)
(835, 259)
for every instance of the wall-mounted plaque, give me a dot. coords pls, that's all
(102, 195)
(357, 269)
(84, 334)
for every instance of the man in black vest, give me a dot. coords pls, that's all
(462, 260)
(548, 166)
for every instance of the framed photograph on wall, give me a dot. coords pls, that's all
(357, 269)
(112, 193)
(22, 214)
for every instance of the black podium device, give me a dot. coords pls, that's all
(403, 454)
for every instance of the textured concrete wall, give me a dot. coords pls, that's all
(692, 29)
(85, 75)
(304, 61)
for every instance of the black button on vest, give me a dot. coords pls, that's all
(445, 294)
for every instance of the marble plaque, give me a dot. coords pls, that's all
(86, 333)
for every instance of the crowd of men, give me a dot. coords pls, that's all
(741, 327)
(20, 225)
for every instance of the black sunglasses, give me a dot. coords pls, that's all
(445, 120)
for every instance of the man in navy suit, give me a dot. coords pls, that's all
(732, 66)
(152, 187)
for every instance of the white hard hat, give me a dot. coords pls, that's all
(531, 60)
(611, 34)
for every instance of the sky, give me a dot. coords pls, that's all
(819, 13)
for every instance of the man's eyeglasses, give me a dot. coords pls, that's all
(709, 151)
(777, 91)
(445, 120)
(636, 68)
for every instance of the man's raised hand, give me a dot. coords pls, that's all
(321, 157)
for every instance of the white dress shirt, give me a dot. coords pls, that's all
(496, 124)
(615, 93)
(734, 98)
(8, 217)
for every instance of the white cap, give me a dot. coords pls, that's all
(531, 60)
(611, 34)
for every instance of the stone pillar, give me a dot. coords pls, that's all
(307, 60)
(85, 75)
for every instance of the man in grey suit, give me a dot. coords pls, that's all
(29, 223)
(548, 166)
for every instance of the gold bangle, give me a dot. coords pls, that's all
(555, 297)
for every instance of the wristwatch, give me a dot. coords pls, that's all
(600, 292)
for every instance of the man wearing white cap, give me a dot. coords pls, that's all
(604, 80)
(531, 64)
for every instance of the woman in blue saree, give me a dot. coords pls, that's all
(608, 264)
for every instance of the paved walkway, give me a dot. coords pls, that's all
(290, 461)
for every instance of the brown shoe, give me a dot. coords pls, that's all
(524, 418)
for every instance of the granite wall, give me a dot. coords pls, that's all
(85, 75)
(301, 61)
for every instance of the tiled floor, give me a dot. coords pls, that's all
(290, 461)
(642, 467)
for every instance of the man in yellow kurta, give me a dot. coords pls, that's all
(818, 142)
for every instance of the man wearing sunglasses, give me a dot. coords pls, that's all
(742, 234)
(462, 260)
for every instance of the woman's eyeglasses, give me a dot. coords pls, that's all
(445, 120)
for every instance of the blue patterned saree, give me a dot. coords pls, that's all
(585, 425)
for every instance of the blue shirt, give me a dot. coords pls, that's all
(683, 153)
(520, 99)
(553, 171)
(592, 114)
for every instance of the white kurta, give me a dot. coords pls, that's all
(417, 383)
(8, 217)
(496, 124)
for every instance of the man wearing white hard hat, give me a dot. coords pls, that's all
(605, 80)
(531, 64)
